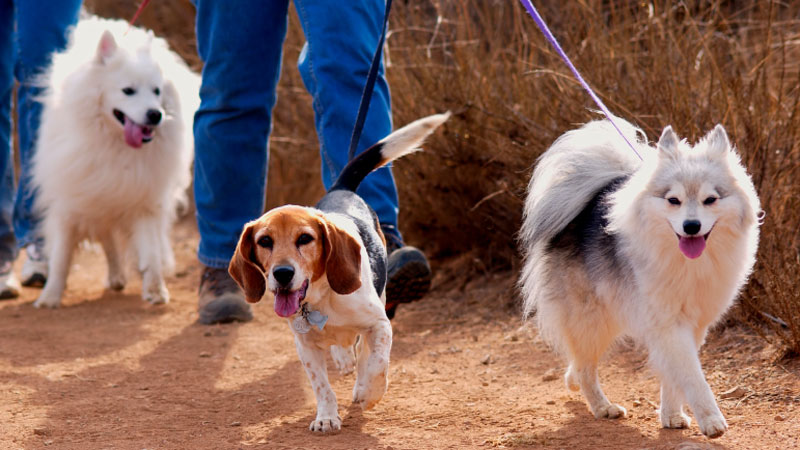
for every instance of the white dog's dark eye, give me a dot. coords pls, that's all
(157, 91)
(709, 200)
(265, 241)
(304, 239)
(674, 201)
(128, 91)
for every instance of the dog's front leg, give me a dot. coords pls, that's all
(147, 242)
(673, 353)
(313, 359)
(372, 373)
(61, 243)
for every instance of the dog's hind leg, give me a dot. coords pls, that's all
(585, 337)
(116, 271)
(147, 242)
(372, 371)
(671, 411)
(673, 354)
(61, 237)
(344, 358)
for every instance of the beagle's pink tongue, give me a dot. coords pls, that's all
(692, 247)
(287, 303)
(134, 133)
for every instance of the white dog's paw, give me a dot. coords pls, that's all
(116, 281)
(610, 411)
(366, 395)
(713, 426)
(675, 420)
(343, 358)
(325, 424)
(158, 295)
(46, 300)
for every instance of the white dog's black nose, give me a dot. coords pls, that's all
(283, 275)
(153, 116)
(691, 227)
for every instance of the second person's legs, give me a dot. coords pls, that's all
(341, 40)
(240, 44)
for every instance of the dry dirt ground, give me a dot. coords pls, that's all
(108, 371)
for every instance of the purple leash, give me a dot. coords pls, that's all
(550, 38)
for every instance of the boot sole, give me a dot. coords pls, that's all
(409, 283)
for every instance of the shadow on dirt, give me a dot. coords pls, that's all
(30, 335)
(177, 382)
(582, 430)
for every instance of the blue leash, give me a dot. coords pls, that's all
(366, 96)
(550, 38)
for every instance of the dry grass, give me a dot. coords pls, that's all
(688, 64)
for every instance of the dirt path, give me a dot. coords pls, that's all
(108, 371)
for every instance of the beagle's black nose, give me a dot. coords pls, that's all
(283, 275)
(691, 227)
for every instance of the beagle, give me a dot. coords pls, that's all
(326, 269)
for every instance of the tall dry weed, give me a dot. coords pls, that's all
(688, 64)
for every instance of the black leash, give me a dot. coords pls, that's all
(366, 96)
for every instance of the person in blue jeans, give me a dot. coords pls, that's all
(240, 44)
(29, 33)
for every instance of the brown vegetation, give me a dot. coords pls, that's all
(688, 64)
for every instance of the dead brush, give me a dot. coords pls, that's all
(690, 64)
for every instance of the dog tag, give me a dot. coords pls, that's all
(316, 318)
(300, 325)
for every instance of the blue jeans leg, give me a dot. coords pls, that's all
(8, 244)
(240, 43)
(41, 30)
(341, 38)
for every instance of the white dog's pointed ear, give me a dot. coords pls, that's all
(668, 143)
(717, 141)
(106, 48)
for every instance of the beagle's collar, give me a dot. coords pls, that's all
(303, 323)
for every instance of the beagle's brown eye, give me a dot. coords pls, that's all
(265, 241)
(304, 239)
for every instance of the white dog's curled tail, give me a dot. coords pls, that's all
(572, 171)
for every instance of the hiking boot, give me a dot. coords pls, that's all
(220, 300)
(409, 274)
(9, 285)
(34, 270)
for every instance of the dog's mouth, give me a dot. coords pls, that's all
(287, 302)
(135, 134)
(692, 246)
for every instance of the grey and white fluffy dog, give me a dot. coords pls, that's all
(655, 249)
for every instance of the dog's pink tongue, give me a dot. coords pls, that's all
(133, 133)
(287, 303)
(692, 247)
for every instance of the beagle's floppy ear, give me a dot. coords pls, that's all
(342, 256)
(245, 268)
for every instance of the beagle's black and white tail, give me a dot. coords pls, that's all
(400, 143)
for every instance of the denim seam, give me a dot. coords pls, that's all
(317, 105)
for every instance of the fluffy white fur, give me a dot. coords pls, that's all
(91, 183)
(655, 293)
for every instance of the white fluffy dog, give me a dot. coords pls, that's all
(657, 250)
(113, 152)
